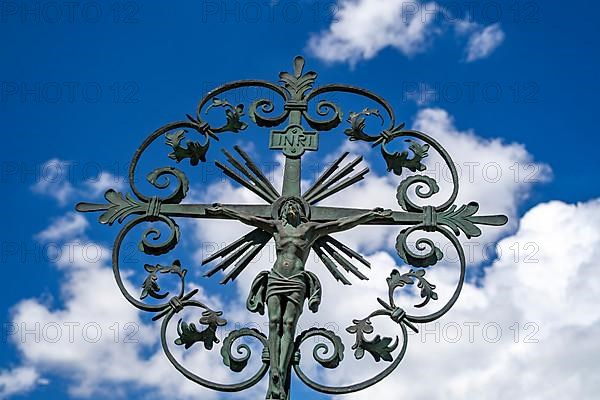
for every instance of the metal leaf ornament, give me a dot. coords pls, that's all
(397, 280)
(195, 151)
(233, 114)
(150, 287)
(190, 335)
(358, 124)
(398, 160)
(380, 348)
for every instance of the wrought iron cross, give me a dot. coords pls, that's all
(298, 225)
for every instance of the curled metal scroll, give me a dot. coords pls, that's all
(432, 186)
(147, 142)
(450, 303)
(357, 386)
(236, 387)
(171, 242)
(337, 88)
(264, 105)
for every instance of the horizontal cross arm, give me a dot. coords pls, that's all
(324, 214)
(458, 219)
(121, 206)
(199, 210)
(461, 218)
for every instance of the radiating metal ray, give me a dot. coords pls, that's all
(253, 235)
(259, 174)
(243, 262)
(254, 180)
(341, 186)
(326, 247)
(347, 265)
(330, 170)
(233, 175)
(347, 250)
(225, 263)
(330, 265)
(240, 252)
(325, 185)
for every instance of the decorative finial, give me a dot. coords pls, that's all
(298, 66)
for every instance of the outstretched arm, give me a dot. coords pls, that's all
(248, 219)
(346, 223)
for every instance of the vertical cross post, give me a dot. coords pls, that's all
(292, 168)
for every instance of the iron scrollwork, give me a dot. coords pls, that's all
(309, 226)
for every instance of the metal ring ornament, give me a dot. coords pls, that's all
(297, 94)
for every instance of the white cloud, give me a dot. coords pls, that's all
(506, 298)
(540, 292)
(362, 28)
(18, 381)
(484, 41)
(104, 181)
(55, 181)
(68, 226)
(497, 175)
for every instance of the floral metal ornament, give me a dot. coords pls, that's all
(297, 223)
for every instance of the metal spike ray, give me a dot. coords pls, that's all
(328, 262)
(256, 181)
(238, 251)
(347, 250)
(326, 174)
(349, 181)
(324, 186)
(244, 261)
(251, 236)
(230, 259)
(341, 260)
(268, 186)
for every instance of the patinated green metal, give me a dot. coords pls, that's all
(297, 223)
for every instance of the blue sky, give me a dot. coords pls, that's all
(86, 85)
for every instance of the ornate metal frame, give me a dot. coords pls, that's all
(296, 92)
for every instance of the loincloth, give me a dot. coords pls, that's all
(292, 288)
(297, 288)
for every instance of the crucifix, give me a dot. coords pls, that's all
(298, 225)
